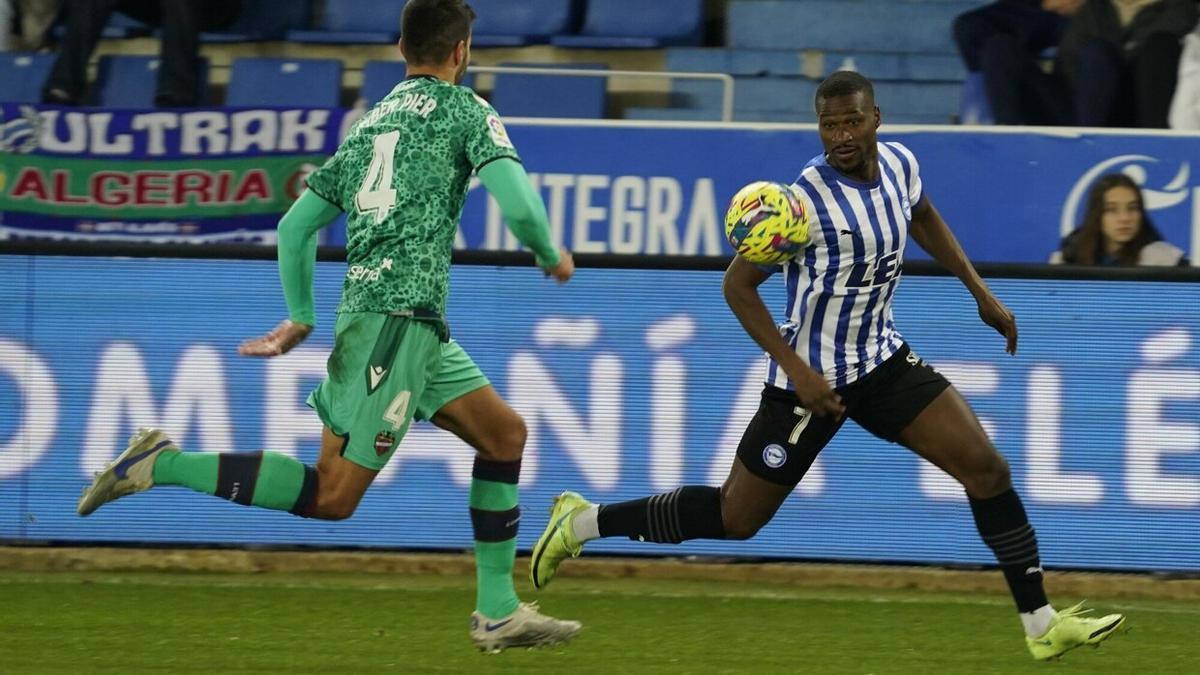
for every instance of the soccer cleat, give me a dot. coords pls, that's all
(132, 471)
(1070, 629)
(526, 627)
(558, 542)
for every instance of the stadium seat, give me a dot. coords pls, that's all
(284, 82)
(121, 26)
(264, 20)
(130, 81)
(975, 107)
(354, 22)
(503, 23)
(380, 77)
(636, 24)
(845, 25)
(568, 96)
(22, 76)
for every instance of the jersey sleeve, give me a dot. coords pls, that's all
(327, 181)
(913, 170)
(486, 138)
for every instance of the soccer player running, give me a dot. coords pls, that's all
(839, 355)
(402, 175)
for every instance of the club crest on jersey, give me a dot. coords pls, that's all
(774, 456)
(384, 442)
(498, 133)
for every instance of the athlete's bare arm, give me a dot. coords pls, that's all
(742, 280)
(931, 232)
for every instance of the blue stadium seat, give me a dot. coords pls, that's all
(22, 76)
(975, 107)
(354, 22)
(551, 95)
(264, 20)
(284, 82)
(503, 23)
(637, 24)
(380, 77)
(121, 26)
(845, 25)
(130, 81)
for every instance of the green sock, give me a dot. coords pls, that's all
(494, 515)
(265, 479)
(195, 470)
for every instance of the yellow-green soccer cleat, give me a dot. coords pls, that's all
(558, 542)
(1070, 629)
(132, 471)
(526, 627)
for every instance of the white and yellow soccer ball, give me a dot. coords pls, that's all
(767, 223)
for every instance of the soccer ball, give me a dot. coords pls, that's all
(766, 223)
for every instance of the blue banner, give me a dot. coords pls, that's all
(228, 174)
(631, 382)
(1008, 196)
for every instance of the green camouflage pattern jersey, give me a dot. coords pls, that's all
(401, 176)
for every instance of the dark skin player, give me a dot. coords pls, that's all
(946, 433)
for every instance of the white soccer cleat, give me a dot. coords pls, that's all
(132, 471)
(526, 627)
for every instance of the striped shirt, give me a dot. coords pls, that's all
(839, 293)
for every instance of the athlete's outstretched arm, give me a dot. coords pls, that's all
(506, 180)
(931, 232)
(742, 280)
(297, 257)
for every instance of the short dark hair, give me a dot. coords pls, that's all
(844, 83)
(432, 28)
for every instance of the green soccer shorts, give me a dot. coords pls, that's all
(384, 372)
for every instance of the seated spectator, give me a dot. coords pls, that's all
(6, 25)
(37, 16)
(182, 21)
(1004, 42)
(1121, 58)
(1116, 231)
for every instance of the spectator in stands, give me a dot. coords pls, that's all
(1121, 58)
(6, 25)
(182, 22)
(37, 16)
(1004, 41)
(1116, 231)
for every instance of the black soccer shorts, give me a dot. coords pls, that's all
(783, 439)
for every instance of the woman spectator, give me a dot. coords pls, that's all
(1116, 231)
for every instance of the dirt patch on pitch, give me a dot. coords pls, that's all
(99, 559)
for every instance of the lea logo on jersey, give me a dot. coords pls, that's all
(876, 272)
(498, 133)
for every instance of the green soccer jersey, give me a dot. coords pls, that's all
(401, 176)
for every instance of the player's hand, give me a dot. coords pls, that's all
(564, 270)
(815, 394)
(995, 314)
(279, 341)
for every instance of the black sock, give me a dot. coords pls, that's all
(1005, 528)
(692, 512)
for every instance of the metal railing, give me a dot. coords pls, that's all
(726, 80)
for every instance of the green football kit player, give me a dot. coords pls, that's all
(402, 176)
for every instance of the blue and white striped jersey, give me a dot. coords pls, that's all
(839, 292)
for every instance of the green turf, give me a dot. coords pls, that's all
(176, 623)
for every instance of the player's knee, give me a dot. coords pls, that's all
(990, 478)
(507, 441)
(337, 508)
(739, 526)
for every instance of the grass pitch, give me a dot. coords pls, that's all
(283, 623)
